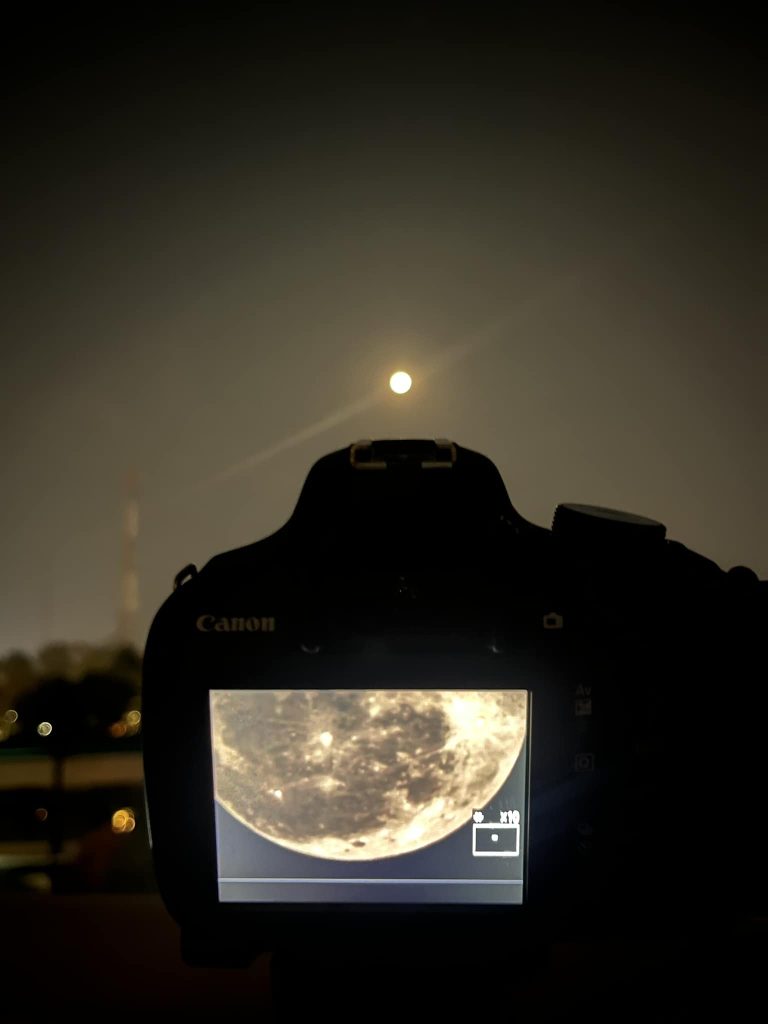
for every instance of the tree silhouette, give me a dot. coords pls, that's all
(80, 692)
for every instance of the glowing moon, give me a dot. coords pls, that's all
(362, 774)
(400, 382)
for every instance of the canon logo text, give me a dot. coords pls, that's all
(235, 624)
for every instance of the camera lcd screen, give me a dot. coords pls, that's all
(370, 796)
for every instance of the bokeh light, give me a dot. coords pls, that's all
(123, 820)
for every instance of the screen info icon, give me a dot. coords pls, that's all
(496, 838)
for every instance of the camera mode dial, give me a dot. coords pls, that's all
(592, 524)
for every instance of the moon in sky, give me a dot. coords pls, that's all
(400, 382)
(361, 774)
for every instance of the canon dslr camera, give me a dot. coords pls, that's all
(410, 716)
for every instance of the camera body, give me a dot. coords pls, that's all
(412, 717)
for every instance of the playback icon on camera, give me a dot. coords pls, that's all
(496, 838)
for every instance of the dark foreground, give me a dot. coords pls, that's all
(116, 957)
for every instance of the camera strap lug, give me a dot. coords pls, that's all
(186, 574)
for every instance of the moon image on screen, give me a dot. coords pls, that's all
(355, 775)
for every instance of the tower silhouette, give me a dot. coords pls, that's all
(128, 606)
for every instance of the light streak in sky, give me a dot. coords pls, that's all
(489, 335)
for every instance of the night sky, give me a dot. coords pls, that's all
(222, 232)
